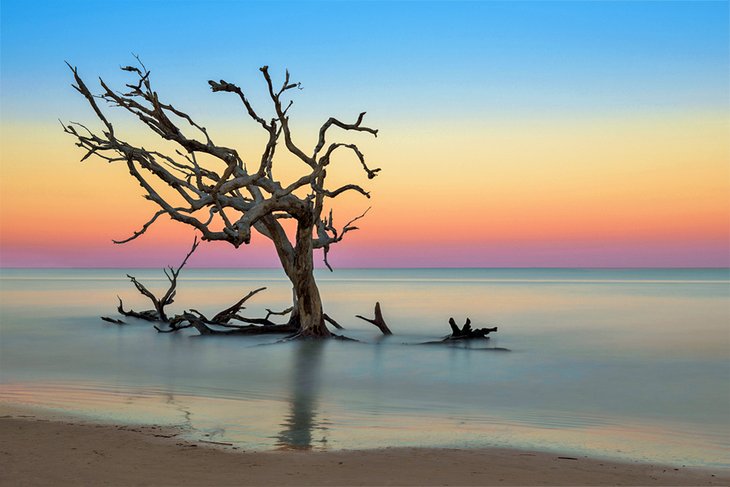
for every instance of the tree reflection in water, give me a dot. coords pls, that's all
(301, 423)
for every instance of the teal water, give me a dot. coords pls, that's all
(619, 363)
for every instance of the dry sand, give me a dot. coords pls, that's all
(35, 450)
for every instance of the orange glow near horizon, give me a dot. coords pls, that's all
(513, 185)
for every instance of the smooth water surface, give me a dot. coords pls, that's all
(622, 363)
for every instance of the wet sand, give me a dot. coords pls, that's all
(38, 449)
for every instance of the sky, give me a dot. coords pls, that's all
(511, 134)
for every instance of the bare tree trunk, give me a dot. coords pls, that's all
(309, 305)
(307, 312)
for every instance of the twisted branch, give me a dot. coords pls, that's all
(158, 314)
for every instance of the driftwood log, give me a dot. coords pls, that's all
(466, 332)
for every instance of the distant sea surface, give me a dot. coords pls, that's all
(623, 363)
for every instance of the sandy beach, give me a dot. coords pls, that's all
(41, 449)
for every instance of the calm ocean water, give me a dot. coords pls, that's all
(618, 363)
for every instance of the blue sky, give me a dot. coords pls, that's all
(450, 59)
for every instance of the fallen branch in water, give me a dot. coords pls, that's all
(378, 320)
(158, 313)
(466, 332)
(112, 320)
(195, 319)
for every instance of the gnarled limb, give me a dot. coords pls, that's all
(231, 312)
(378, 320)
(200, 323)
(148, 315)
(158, 314)
(177, 323)
(283, 312)
(196, 319)
(327, 234)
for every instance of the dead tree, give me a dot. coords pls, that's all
(229, 204)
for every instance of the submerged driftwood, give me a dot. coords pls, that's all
(113, 320)
(466, 332)
(159, 304)
(254, 326)
(378, 320)
(231, 321)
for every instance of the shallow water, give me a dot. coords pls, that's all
(620, 363)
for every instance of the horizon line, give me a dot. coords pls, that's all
(376, 268)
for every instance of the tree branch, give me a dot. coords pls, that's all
(158, 314)
(333, 121)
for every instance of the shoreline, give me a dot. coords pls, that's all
(47, 449)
